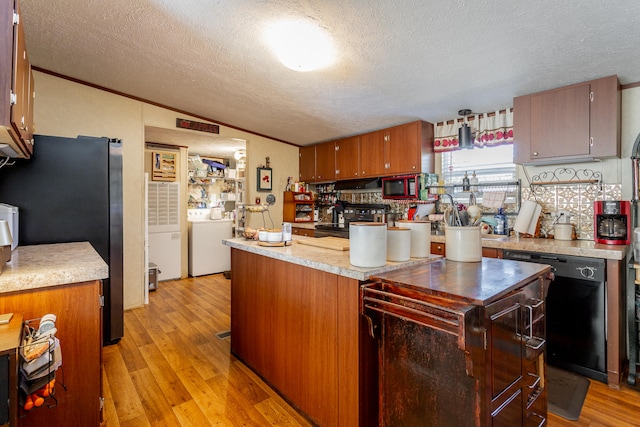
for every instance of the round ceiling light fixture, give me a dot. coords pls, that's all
(301, 45)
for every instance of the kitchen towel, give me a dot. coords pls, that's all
(527, 218)
(493, 199)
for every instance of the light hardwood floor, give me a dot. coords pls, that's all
(171, 369)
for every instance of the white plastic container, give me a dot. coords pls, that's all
(420, 237)
(398, 244)
(368, 244)
(463, 244)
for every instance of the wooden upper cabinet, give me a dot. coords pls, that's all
(307, 163)
(16, 83)
(409, 148)
(573, 122)
(326, 161)
(398, 150)
(372, 154)
(348, 158)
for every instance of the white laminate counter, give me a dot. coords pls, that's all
(40, 266)
(328, 260)
(586, 248)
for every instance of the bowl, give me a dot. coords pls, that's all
(274, 236)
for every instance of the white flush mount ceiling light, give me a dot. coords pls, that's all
(301, 45)
(239, 154)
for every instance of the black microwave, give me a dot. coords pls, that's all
(400, 187)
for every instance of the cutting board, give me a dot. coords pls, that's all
(335, 243)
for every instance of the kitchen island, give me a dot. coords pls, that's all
(66, 280)
(295, 321)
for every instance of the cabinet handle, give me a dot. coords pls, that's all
(591, 142)
(535, 153)
(591, 96)
(536, 382)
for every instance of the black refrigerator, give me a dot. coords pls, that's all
(71, 191)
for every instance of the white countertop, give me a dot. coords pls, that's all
(586, 248)
(41, 266)
(328, 260)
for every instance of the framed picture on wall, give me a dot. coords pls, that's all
(264, 179)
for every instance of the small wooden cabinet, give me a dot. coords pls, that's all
(573, 122)
(307, 232)
(325, 161)
(307, 163)
(298, 207)
(444, 361)
(16, 84)
(347, 158)
(372, 154)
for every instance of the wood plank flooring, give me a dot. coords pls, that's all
(171, 369)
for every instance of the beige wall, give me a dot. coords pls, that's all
(65, 108)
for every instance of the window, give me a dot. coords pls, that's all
(491, 164)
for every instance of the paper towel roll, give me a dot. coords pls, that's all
(527, 218)
(368, 244)
(398, 244)
(420, 237)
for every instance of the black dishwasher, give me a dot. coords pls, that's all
(575, 312)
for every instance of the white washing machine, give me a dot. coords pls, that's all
(207, 254)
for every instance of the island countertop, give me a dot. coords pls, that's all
(40, 266)
(328, 260)
(479, 283)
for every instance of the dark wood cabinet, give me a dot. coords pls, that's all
(574, 122)
(437, 248)
(445, 361)
(348, 158)
(16, 84)
(440, 249)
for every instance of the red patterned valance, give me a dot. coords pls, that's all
(488, 130)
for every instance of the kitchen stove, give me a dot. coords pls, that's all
(356, 212)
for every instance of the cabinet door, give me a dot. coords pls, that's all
(438, 248)
(402, 149)
(506, 352)
(372, 154)
(560, 123)
(348, 158)
(326, 161)
(307, 163)
(605, 117)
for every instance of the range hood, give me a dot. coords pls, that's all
(359, 184)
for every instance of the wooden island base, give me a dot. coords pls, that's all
(299, 329)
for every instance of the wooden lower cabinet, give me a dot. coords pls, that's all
(301, 331)
(440, 249)
(437, 248)
(79, 329)
(445, 362)
(299, 231)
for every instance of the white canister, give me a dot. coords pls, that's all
(398, 244)
(563, 231)
(368, 244)
(420, 237)
(463, 244)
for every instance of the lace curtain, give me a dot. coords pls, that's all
(487, 130)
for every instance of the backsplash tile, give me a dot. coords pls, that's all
(576, 198)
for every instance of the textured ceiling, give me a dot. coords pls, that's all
(398, 60)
